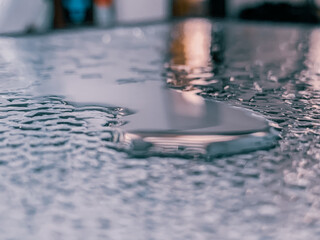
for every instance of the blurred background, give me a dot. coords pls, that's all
(20, 16)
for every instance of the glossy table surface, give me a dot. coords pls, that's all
(62, 179)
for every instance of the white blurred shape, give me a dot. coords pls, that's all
(18, 16)
(133, 11)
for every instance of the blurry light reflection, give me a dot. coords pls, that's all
(176, 140)
(191, 47)
(193, 143)
(191, 54)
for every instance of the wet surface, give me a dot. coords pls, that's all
(161, 119)
(61, 180)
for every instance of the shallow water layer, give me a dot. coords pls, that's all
(166, 121)
(60, 179)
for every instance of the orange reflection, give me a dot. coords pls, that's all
(190, 52)
(191, 46)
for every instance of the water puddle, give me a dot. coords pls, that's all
(166, 117)
(165, 121)
(184, 124)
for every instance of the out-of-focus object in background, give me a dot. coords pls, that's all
(77, 10)
(20, 16)
(103, 13)
(59, 18)
(185, 8)
(316, 4)
(137, 11)
(199, 8)
(218, 8)
(280, 11)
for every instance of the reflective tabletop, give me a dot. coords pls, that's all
(68, 98)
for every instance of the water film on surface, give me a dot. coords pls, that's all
(60, 177)
(168, 119)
